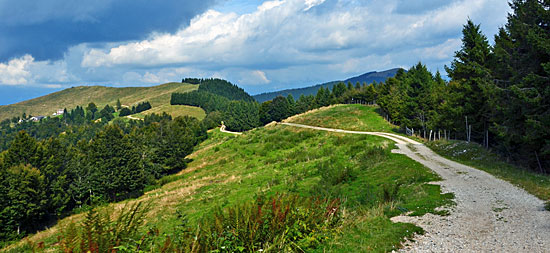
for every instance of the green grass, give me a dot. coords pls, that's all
(158, 96)
(474, 155)
(348, 117)
(226, 170)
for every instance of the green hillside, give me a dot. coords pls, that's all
(368, 183)
(158, 96)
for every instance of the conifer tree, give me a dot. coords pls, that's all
(522, 96)
(470, 71)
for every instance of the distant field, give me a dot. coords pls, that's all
(158, 96)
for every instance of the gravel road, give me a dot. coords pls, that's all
(222, 129)
(491, 215)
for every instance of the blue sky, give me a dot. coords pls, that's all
(49, 45)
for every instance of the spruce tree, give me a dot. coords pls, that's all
(470, 71)
(522, 71)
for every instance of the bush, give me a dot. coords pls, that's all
(280, 223)
(334, 172)
(143, 106)
(124, 112)
(212, 119)
(100, 233)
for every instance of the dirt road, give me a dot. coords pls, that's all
(222, 129)
(491, 215)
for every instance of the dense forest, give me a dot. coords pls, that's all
(238, 109)
(51, 167)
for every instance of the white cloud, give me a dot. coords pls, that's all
(312, 3)
(282, 33)
(26, 71)
(281, 43)
(16, 72)
(255, 77)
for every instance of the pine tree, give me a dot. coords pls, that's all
(118, 105)
(522, 71)
(23, 150)
(92, 108)
(470, 71)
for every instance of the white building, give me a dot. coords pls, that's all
(59, 112)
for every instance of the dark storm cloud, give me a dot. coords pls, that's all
(46, 28)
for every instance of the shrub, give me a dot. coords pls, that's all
(334, 172)
(124, 112)
(280, 223)
(100, 233)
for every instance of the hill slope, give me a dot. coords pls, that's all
(312, 90)
(226, 171)
(158, 96)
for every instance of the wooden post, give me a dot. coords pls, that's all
(538, 161)
(439, 133)
(467, 137)
(469, 132)
(431, 136)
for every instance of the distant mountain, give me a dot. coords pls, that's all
(312, 90)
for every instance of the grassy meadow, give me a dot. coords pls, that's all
(359, 171)
(158, 96)
(349, 117)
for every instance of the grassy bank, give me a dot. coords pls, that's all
(474, 155)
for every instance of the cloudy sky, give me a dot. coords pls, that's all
(259, 45)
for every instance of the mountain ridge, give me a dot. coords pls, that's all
(368, 77)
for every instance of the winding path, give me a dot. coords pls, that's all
(222, 129)
(491, 215)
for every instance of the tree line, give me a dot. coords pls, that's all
(498, 95)
(239, 111)
(51, 167)
(143, 106)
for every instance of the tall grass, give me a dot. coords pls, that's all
(100, 232)
(284, 222)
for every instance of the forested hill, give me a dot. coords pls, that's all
(225, 89)
(218, 98)
(70, 98)
(312, 90)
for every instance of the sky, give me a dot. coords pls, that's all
(49, 45)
